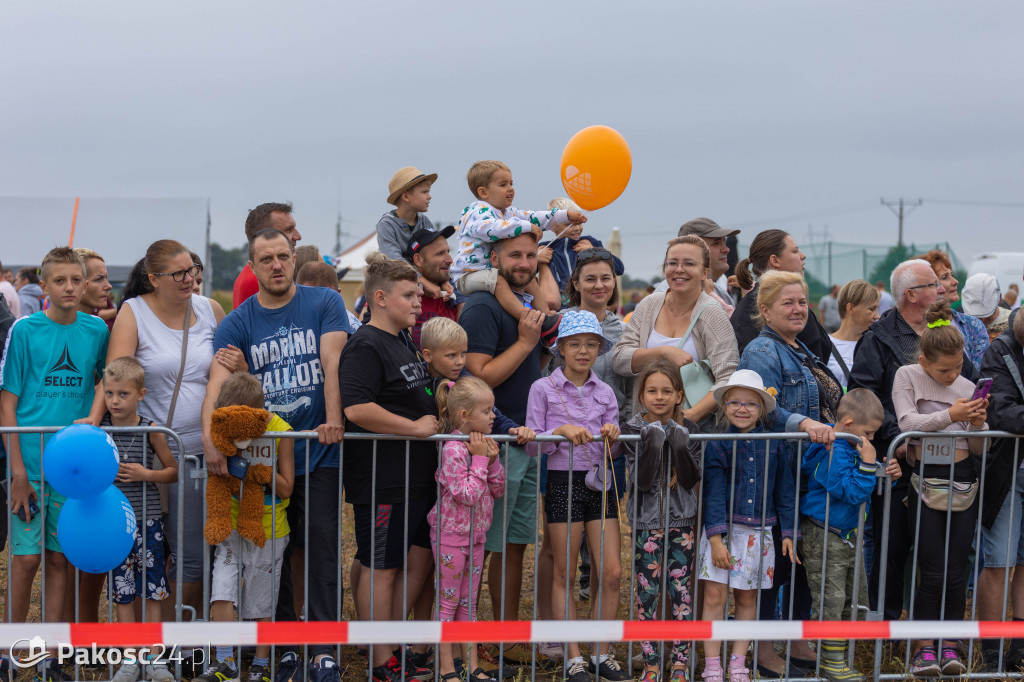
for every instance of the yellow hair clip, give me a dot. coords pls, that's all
(938, 323)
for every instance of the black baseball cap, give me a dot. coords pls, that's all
(421, 237)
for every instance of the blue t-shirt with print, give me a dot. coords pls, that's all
(282, 348)
(53, 369)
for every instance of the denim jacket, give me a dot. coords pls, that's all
(747, 485)
(780, 368)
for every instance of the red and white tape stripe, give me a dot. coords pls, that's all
(426, 632)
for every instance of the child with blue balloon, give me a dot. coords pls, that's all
(144, 572)
(52, 366)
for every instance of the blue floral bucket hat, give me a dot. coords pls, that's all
(575, 322)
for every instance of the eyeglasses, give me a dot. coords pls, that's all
(179, 275)
(676, 264)
(925, 286)
(592, 346)
(587, 255)
(749, 406)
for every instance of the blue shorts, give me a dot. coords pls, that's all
(1002, 543)
(126, 583)
(30, 537)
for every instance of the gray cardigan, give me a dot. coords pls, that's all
(646, 504)
(713, 337)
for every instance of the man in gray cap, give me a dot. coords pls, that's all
(714, 236)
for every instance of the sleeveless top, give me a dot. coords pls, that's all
(134, 448)
(656, 340)
(159, 353)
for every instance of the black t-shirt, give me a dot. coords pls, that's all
(492, 331)
(379, 367)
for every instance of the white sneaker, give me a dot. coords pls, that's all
(158, 672)
(550, 649)
(128, 672)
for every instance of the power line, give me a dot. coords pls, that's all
(957, 202)
(900, 213)
(837, 210)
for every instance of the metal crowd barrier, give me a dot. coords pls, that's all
(535, 664)
(938, 448)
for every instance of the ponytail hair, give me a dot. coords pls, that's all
(765, 245)
(138, 283)
(455, 396)
(941, 338)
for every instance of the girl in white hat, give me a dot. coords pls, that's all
(747, 489)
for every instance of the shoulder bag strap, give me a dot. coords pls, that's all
(840, 361)
(693, 321)
(1014, 372)
(181, 368)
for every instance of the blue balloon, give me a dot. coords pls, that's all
(97, 533)
(80, 461)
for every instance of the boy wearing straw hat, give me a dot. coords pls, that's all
(409, 193)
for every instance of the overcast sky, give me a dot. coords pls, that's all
(757, 114)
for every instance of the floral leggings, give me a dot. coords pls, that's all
(649, 562)
(460, 581)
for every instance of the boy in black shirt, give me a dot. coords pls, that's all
(385, 388)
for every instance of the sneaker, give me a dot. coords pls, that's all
(679, 675)
(609, 670)
(650, 676)
(128, 672)
(385, 673)
(52, 672)
(577, 672)
(158, 672)
(5, 670)
(257, 673)
(417, 665)
(549, 330)
(585, 592)
(326, 670)
(738, 671)
(288, 668)
(221, 671)
(550, 650)
(412, 671)
(712, 670)
(924, 663)
(951, 663)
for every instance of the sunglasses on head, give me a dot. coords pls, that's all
(587, 255)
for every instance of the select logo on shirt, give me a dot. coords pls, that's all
(63, 374)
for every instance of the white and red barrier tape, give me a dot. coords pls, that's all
(426, 632)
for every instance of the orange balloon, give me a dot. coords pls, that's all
(596, 166)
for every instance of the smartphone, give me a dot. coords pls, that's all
(984, 386)
(237, 466)
(33, 509)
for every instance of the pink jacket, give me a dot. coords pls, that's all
(469, 485)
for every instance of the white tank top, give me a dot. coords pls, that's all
(656, 340)
(159, 353)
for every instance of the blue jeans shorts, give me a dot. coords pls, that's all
(1002, 544)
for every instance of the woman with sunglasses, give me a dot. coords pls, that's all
(150, 327)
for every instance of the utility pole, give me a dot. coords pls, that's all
(897, 207)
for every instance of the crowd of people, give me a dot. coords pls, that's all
(520, 336)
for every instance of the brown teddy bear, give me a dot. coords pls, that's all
(232, 429)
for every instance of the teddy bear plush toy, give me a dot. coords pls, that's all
(232, 429)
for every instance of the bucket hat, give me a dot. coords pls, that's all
(575, 322)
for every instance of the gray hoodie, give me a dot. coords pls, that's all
(393, 233)
(31, 296)
(650, 473)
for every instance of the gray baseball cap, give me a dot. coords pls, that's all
(705, 227)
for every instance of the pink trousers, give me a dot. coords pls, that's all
(459, 580)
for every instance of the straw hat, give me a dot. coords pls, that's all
(404, 179)
(749, 379)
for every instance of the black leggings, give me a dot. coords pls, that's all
(936, 562)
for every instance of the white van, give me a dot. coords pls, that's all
(1006, 266)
